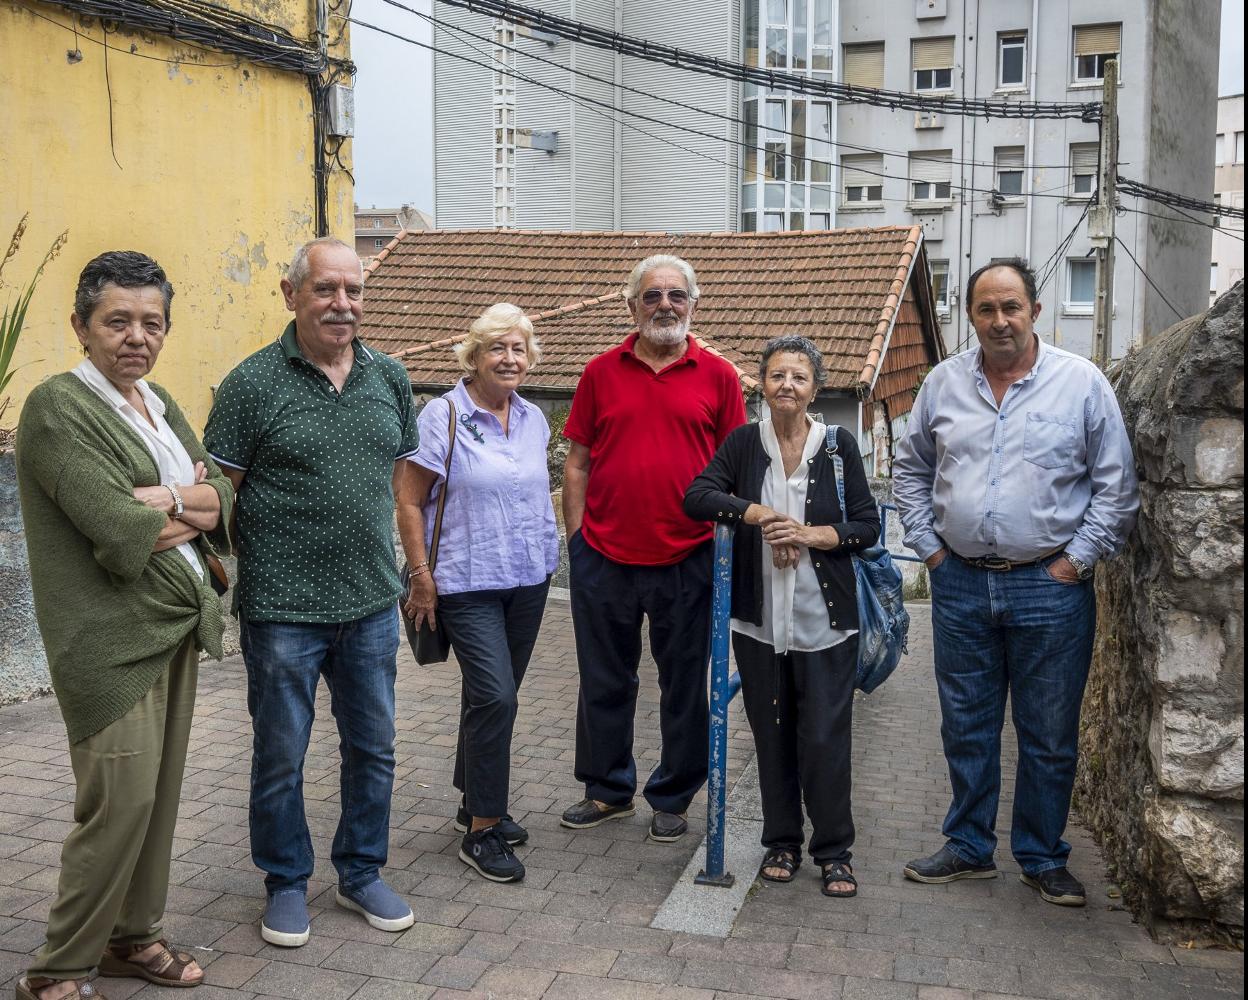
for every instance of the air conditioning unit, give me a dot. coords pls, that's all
(933, 224)
(528, 138)
(924, 9)
(928, 119)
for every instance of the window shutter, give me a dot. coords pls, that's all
(1098, 39)
(1084, 158)
(854, 170)
(864, 65)
(935, 168)
(932, 53)
(1009, 157)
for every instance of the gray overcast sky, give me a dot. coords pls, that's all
(394, 100)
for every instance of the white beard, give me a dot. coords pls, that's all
(664, 336)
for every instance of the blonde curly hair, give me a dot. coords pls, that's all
(497, 321)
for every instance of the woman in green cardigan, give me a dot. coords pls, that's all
(123, 511)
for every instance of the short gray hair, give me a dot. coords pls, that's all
(794, 343)
(297, 273)
(653, 263)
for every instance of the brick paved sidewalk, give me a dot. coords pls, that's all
(578, 927)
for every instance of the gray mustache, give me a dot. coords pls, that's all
(337, 317)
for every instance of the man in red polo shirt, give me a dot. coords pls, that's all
(647, 417)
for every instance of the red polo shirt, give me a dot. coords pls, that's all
(649, 434)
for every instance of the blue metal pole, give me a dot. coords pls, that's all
(722, 690)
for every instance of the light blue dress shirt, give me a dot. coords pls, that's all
(498, 528)
(1049, 468)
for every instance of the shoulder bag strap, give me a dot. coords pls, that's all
(834, 450)
(446, 485)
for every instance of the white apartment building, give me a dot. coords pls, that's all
(545, 150)
(1227, 265)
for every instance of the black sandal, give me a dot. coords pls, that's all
(836, 871)
(782, 858)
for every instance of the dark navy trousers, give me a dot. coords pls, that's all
(609, 601)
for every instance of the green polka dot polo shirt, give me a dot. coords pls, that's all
(316, 506)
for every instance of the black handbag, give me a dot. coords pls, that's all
(432, 645)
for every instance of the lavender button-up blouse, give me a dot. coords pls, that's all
(498, 529)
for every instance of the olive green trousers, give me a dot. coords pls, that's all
(115, 862)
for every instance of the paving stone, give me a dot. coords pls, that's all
(455, 972)
(573, 987)
(564, 958)
(380, 962)
(299, 982)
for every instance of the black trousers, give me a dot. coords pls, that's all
(492, 633)
(800, 707)
(609, 600)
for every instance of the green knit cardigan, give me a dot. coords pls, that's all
(111, 612)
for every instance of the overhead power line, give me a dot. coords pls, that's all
(577, 31)
(1174, 200)
(585, 101)
(672, 102)
(1150, 281)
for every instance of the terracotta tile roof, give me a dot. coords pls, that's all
(840, 288)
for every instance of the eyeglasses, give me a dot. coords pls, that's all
(676, 296)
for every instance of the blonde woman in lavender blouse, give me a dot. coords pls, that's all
(498, 549)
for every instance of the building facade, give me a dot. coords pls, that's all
(536, 143)
(1227, 266)
(376, 227)
(199, 157)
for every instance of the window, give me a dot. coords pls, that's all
(1239, 148)
(1213, 278)
(1219, 150)
(1085, 158)
(930, 176)
(940, 285)
(1009, 171)
(378, 244)
(864, 65)
(862, 181)
(1095, 45)
(376, 223)
(1081, 287)
(932, 60)
(787, 171)
(1011, 60)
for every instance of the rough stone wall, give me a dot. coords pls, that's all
(1161, 775)
(23, 666)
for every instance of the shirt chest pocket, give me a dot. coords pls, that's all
(1049, 440)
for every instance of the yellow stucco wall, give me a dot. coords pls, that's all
(213, 177)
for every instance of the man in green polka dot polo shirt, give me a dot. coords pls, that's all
(314, 430)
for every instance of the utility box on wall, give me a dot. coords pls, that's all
(925, 9)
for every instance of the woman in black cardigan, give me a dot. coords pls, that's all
(794, 607)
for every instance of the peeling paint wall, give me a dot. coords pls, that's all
(209, 170)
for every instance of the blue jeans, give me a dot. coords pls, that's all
(1024, 634)
(493, 633)
(285, 661)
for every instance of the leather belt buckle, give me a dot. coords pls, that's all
(996, 564)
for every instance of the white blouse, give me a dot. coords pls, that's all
(795, 614)
(169, 454)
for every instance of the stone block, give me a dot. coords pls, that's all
(1192, 752)
(1196, 855)
(1199, 533)
(1189, 651)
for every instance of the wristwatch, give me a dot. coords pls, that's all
(178, 506)
(1082, 569)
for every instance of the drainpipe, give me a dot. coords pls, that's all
(1029, 156)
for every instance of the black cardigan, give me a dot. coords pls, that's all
(734, 479)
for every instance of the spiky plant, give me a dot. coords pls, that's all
(14, 315)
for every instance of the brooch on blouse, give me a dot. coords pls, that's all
(472, 428)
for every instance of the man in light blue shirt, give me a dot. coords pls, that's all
(1013, 479)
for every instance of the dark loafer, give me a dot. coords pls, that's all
(667, 827)
(945, 866)
(1058, 886)
(587, 814)
(512, 832)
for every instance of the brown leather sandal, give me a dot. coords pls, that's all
(28, 988)
(164, 968)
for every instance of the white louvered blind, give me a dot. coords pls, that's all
(864, 65)
(1098, 39)
(1009, 157)
(934, 168)
(862, 170)
(931, 53)
(1084, 158)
